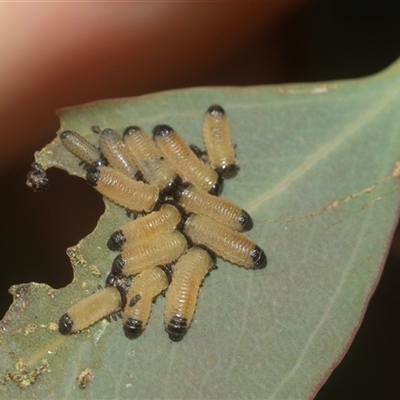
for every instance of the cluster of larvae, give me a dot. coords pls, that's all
(184, 224)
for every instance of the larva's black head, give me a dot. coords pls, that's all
(259, 258)
(108, 132)
(245, 221)
(227, 171)
(162, 130)
(67, 135)
(116, 241)
(180, 190)
(92, 176)
(177, 328)
(216, 110)
(37, 178)
(216, 189)
(133, 328)
(111, 280)
(131, 130)
(65, 324)
(117, 265)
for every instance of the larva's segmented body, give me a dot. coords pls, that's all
(155, 169)
(144, 288)
(80, 147)
(226, 243)
(185, 162)
(224, 211)
(128, 193)
(118, 155)
(156, 223)
(217, 138)
(181, 297)
(91, 309)
(160, 250)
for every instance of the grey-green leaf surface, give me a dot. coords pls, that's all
(320, 168)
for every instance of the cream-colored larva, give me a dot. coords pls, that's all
(198, 201)
(118, 155)
(91, 309)
(156, 223)
(185, 162)
(160, 250)
(181, 297)
(144, 288)
(224, 242)
(117, 187)
(217, 138)
(80, 147)
(155, 169)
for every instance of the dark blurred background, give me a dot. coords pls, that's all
(260, 43)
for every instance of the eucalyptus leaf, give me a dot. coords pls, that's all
(320, 168)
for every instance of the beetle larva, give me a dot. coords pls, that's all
(226, 243)
(81, 148)
(117, 154)
(198, 201)
(185, 162)
(217, 138)
(144, 288)
(156, 223)
(91, 309)
(155, 169)
(160, 250)
(117, 187)
(181, 297)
